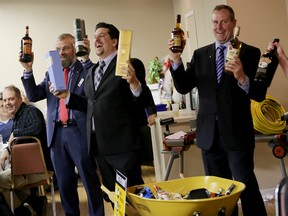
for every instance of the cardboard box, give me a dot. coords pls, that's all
(124, 49)
(55, 70)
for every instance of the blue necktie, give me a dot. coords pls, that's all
(220, 61)
(99, 74)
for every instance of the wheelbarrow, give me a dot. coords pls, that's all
(218, 206)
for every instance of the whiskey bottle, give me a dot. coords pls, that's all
(267, 66)
(234, 47)
(177, 35)
(80, 33)
(26, 47)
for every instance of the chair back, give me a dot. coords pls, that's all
(27, 158)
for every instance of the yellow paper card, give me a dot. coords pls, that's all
(124, 49)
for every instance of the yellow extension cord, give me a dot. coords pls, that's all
(267, 116)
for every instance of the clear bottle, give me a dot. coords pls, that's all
(234, 47)
(182, 104)
(177, 35)
(26, 47)
(267, 66)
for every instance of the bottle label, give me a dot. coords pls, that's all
(264, 62)
(79, 43)
(231, 53)
(27, 47)
(261, 73)
(177, 40)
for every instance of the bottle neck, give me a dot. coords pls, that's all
(27, 32)
(178, 25)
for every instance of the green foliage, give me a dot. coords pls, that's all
(154, 68)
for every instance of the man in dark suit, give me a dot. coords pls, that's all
(146, 116)
(225, 130)
(67, 139)
(113, 127)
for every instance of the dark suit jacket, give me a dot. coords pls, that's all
(151, 108)
(225, 101)
(41, 91)
(115, 110)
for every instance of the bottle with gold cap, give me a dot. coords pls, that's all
(26, 47)
(234, 47)
(177, 35)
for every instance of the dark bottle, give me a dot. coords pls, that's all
(234, 47)
(267, 66)
(177, 35)
(26, 47)
(79, 34)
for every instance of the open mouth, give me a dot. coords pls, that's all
(220, 33)
(98, 45)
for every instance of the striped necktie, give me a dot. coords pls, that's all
(99, 74)
(220, 61)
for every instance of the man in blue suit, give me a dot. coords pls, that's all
(67, 140)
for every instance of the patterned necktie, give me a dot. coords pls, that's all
(99, 74)
(220, 62)
(63, 108)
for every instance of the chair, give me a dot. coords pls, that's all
(27, 158)
(281, 195)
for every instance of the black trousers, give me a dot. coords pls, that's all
(237, 165)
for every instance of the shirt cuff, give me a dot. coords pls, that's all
(87, 64)
(27, 74)
(176, 65)
(136, 92)
(246, 85)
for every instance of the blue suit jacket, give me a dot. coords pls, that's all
(41, 91)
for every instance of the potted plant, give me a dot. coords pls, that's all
(154, 68)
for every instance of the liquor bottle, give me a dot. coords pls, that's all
(267, 66)
(177, 35)
(26, 47)
(79, 34)
(234, 47)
